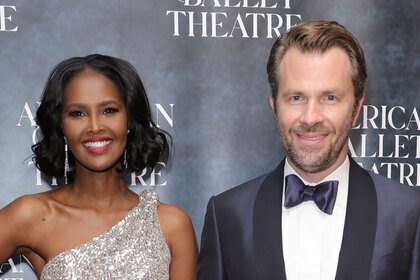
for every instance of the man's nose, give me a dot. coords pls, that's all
(312, 113)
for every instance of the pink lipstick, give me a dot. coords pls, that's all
(97, 145)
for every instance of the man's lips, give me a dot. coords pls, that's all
(311, 138)
(97, 144)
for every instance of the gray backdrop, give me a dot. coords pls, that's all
(207, 84)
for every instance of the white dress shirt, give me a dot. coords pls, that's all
(312, 238)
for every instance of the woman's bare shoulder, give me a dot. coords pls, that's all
(173, 217)
(29, 207)
(20, 219)
(176, 225)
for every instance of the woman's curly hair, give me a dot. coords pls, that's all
(146, 143)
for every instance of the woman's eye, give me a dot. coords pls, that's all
(110, 110)
(75, 114)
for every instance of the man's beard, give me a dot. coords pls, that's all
(314, 159)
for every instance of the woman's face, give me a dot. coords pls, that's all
(94, 121)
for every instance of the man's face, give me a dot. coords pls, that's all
(315, 108)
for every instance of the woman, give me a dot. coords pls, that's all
(96, 125)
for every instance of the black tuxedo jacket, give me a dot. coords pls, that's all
(242, 235)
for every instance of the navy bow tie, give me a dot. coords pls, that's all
(323, 194)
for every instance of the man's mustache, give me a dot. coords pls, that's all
(317, 128)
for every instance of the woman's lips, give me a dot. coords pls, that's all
(97, 145)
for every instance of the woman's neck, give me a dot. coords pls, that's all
(105, 188)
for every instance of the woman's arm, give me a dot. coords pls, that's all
(179, 233)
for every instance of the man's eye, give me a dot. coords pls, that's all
(296, 98)
(75, 114)
(330, 97)
(110, 110)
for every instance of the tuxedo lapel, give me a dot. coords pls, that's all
(268, 247)
(359, 229)
(360, 226)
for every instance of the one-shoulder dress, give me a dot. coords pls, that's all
(134, 248)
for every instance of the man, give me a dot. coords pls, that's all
(318, 215)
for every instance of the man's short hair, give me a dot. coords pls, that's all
(319, 36)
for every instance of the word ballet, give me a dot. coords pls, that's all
(270, 4)
(232, 18)
(385, 146)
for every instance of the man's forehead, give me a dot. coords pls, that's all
(295, 53)
(296, 61)
(314, 71)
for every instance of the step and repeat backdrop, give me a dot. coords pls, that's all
(203, 65)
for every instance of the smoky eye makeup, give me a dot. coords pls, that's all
(75, 113)
(110, 110)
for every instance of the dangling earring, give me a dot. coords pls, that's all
(66, 159)
(125, 163)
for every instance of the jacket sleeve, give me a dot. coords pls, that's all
(210, 261)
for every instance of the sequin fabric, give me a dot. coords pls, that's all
(134, 248)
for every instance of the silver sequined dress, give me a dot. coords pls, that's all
(134, 248)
